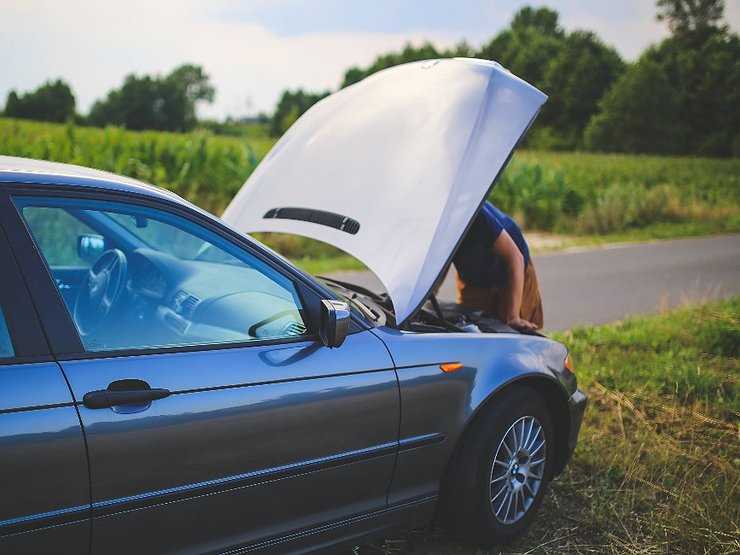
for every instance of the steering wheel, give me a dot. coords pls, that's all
(100, 290)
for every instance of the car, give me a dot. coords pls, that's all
(170, 385)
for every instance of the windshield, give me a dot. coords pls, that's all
(167, 238)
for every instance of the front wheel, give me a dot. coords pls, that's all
(499, 478)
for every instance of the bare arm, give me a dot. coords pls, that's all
(506, 249)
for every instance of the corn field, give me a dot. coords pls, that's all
(199, 166)
(574, 193)
(585, 193)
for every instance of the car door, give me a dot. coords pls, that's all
(213, 416)
(45, 491)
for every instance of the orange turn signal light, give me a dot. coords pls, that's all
(450, 366)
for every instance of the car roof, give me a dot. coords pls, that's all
(29, 171)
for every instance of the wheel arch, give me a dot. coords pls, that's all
(557, 405)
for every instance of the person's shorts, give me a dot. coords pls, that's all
(488, 299)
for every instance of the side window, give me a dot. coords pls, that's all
(138, 278)
(6, 345)
(56, 232)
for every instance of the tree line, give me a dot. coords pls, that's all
(681, 96)
(165, 103)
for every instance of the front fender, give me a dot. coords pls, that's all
(437, 407)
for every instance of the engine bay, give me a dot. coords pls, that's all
(434, 316)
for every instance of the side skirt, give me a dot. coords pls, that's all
(354, 529)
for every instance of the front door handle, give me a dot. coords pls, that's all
(123, 392)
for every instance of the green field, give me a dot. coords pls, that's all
(204, 168)
(591, 198)
(585, 193)
(657, 468)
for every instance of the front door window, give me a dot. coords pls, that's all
(135, 277)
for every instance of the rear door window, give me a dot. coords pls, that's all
(6, 345)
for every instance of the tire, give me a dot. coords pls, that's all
(474, 479)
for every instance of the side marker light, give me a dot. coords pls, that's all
(448, 367)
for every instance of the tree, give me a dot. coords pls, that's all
(410, 53)
(542, 20)
(12, 104)
(574, 69)
(638, 114)
(576, 79)
(681, 97)
(187, 85)
(293, 104)
(52, 101)
(526, 48)
(152, 102)
(688, 17)
(290, 107)
(526, 52)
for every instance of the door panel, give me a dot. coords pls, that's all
(186, 527)
(253, 442)
(42, 463)
(44, 481)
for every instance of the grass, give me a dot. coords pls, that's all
(657, 468)
(590, 199)
(328, 264)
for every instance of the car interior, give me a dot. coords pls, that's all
(136, 278)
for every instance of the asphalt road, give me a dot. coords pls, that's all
(608, 284)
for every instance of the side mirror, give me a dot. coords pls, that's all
(90, 247)
(334, 325)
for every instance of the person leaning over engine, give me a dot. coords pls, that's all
(495, 273)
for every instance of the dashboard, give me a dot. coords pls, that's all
(145, 278)
(194, 301)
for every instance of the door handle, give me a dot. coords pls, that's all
(123, 392)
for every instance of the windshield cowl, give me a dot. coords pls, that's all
(364, 302)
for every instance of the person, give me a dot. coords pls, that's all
(495, 273)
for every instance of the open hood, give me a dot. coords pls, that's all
(393, 169)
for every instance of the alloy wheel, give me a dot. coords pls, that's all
(518, 470)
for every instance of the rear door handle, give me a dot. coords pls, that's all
(111, 397)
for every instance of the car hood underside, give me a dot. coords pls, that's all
(393, 169)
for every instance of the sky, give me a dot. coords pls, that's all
(254, 49)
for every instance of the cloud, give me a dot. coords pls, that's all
(629, 26)
(253, 50)
(93, 45)
(471, 19)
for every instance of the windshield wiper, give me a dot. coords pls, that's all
(352, 287)
(362, 307)
(353, 293)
